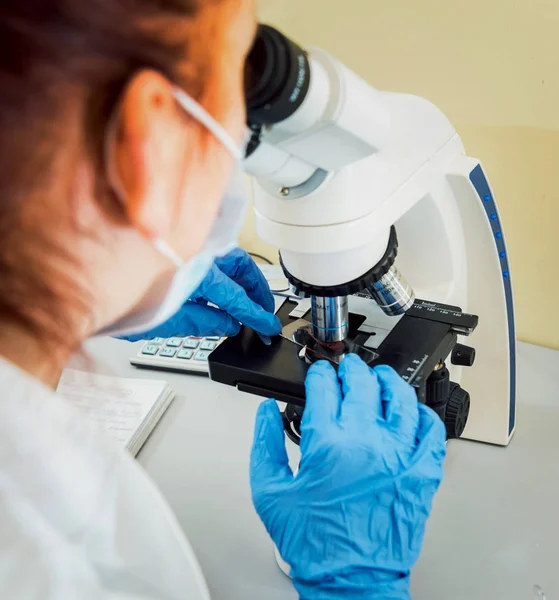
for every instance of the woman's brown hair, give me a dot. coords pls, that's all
(63, 66)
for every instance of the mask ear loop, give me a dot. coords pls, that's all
(117, 187)
(199, 113)
(203, 116)
(237, 151)
(165, 249)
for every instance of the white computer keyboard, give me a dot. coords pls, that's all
(187, 355)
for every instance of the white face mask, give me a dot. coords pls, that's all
(221, 240)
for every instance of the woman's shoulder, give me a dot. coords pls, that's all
(70, 500)
(48, 451)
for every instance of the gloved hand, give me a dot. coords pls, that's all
(243, 295)
(351, 522)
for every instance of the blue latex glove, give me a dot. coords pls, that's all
(237, 286)
(351, 522)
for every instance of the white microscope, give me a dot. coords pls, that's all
(350, 182)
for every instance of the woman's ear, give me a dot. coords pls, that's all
(146, 154)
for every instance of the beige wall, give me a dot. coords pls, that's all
(493, 67)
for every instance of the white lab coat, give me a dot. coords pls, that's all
(80, 520)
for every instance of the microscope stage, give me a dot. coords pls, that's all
(421, 339)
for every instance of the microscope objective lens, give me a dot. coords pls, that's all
(330, 319)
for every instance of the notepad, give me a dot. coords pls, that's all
(127, 409)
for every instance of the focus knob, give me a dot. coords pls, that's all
(457, 412)
(463, 356)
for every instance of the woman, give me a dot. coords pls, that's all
(121, 132)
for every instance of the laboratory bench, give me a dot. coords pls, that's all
(492, 534)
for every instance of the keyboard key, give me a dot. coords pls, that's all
(168, 352)
(174, 342)
(157, 341)
(150, 350)
(208, 346)
(213, 339)
(185, 354)
(202, 356)
(191, 343)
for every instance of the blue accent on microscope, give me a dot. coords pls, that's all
(479, 181)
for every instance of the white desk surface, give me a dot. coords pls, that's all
(494, 528)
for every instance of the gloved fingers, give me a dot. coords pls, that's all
(323, 402)
(194, 320)
(431, 431)
(201, 320)
(239, 266)
(428, 455)
(222, 291)
(269, 463)
(400, 404)
(361, 391)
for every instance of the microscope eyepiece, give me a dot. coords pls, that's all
(277, 78)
